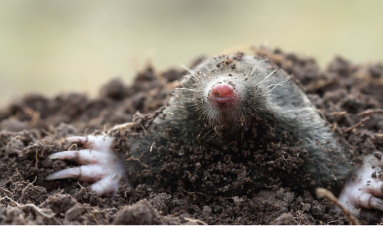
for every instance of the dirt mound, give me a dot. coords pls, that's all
(348, 96)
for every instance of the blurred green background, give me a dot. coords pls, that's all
(49, 46)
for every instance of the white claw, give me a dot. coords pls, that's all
(77, 139)
(84, 157)
(365, 185)
(375, 188)
(376, 203)
(100, 164)
(89, 173)
(107, 185)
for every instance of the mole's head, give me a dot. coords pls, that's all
(227, 98)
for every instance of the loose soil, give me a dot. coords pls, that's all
(348, 96)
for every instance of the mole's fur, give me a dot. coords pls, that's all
(271, 135)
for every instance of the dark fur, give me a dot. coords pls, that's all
(265, 122)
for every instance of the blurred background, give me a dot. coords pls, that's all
(56, 46)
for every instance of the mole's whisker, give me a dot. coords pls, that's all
(268, 76)
(188, 69)
(253, 70)
(193, 90)
(275, 85)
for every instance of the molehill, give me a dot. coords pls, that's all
(349, 98)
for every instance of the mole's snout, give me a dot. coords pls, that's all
(222, 93)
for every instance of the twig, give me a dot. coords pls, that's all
(81, 188)
(334, 127)
(92, 215)
(324, 193)
(23, 191)
(144, 130)
(322, 114)
(72, 145)
(371, 111)
(35, 116)
(5, 190)
(123, 126)
(338, 113)
(31, 205)
(336, 220)
(151, 147)
(37, 158)
(188, 173)
(86, 130)
(356, 125)
(178, 213)
(138, 160)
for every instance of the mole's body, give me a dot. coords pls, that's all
(259, 114)
(236, 124)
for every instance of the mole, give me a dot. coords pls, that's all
(236, 124)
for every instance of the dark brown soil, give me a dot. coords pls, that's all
(35, 126)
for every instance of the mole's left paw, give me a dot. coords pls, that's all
(364, 186)
(100, 164)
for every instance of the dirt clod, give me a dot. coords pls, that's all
(139, 213)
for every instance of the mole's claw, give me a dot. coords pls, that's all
(364, 186)
(98, 143)
(107, 186)
(89, 173)
(368, 201)
(376, 203)
(375, 188)
(84, 157)
(77, 139)
(100, 164)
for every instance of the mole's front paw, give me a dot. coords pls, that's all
(364, 186)
(100, 164)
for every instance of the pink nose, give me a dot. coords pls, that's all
(222, 93)
(222, 90)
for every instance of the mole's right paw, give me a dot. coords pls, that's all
(100, 164)
(364, 186)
